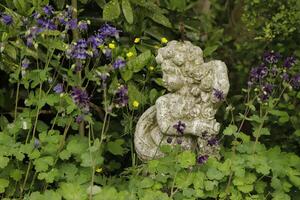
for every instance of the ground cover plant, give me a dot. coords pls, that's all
(76, 76)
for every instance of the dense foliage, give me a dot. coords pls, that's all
(76, 76)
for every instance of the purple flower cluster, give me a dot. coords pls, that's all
(271, 57)
(48, 10)
(83, 26)
(218, 94)
(180, 127)
(25, 63)
(295, 82)
(274, 66)
(119, 63)
(78, 50)
(213, 142)
(31, 35)
(101, 35)
(6, 19)
(257, 74)
(109, 31)
(122, 96)
(289, 62)
(59, 88)
(47, 23)
(267, 90)
(202, 159)
(81, 98)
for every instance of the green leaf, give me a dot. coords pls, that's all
(127, 11)
(42, 164)
(161, 19)
(138, 63)
(115, 147)
(64, 155)
(245, 188)
(10, 51)
(50, 176)
(186, 159)
(73, 191)
(231, 129)
(3, 184)
(213, 173)
(126, 74)
(77, 145)
(3, 161)
(16, 174)
(263, 131)
(90, 160)
(153, 95)
(178, 4)
(146, 183)
(209, 50)
(48, 194)
(111, 10)
(100, 3)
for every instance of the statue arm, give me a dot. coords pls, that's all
(220, 79)
(166, 121)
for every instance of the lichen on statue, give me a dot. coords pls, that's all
(186, 115)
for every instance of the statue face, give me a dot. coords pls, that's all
(172, 79)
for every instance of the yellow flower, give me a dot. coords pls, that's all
(135, 104)
(129, 54)
(137, 40)
(164, 40)
(111, 45)
(99, 170)
(151, 68)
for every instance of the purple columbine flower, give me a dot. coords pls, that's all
(119, 63)
(31, 35)
(122, 96)
(109, 31)
(295, 82)
(81, 98)
(202, 159)
(285, 77)
(83, 26)
(71, 24)
(47, 24)
(212, 142)
(25, 63)
(271, 57)
(36, 15)
(267, 90)
(258, 73)
(48, 10)
(59, 88)
(218, 94)
(78, 50)
(180, 127)
(7, 19)
(289, 62)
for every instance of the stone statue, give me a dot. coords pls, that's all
(185, 116)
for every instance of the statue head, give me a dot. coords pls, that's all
(181, 64)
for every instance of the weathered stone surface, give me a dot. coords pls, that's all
(196, 89)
